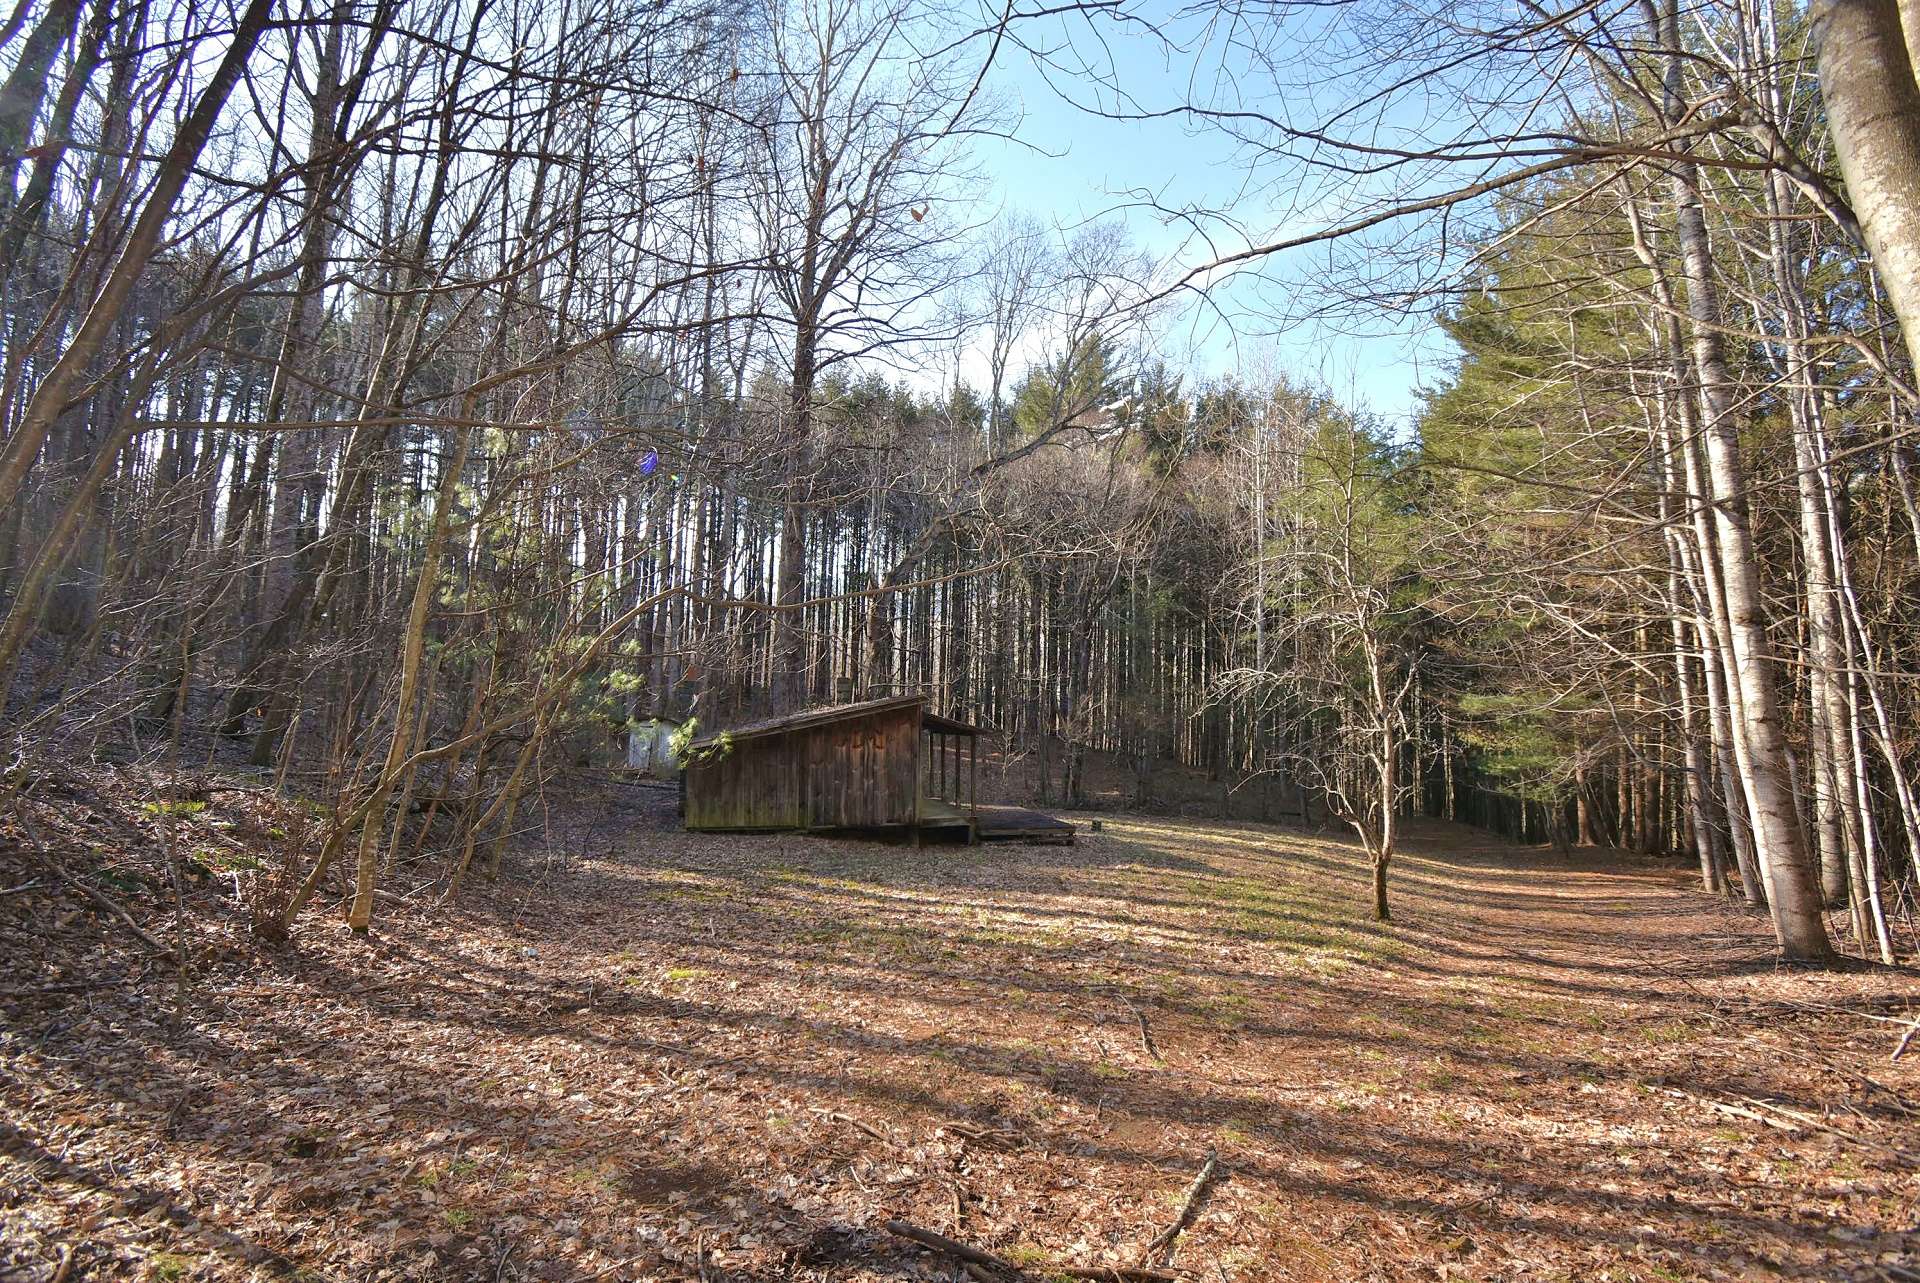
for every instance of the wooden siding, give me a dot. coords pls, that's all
(752, 787)
(856, 773)
(860, 772)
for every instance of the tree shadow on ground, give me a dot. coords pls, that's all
(734, 1058)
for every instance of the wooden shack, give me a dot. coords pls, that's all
(882, 764)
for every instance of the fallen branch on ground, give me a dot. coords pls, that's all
(70, 986)
(1788, 1120)
(978, 1256)
(1146, 1037)
(983, 1135)
(1163, 1241)
(834, 1116)
(100, 898)
(1905, 1038)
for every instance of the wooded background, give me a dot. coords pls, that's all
(419, 393)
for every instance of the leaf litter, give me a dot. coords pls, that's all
(648, 1054)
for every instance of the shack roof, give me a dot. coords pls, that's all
(841, 713)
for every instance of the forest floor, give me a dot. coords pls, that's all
(647, 1054)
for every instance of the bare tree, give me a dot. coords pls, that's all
(1347, 648)
(853, 176)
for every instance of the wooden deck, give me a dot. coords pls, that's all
(942, 820)
(1017, 824)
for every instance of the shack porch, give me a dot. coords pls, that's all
(1017, 824)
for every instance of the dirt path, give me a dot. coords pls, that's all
(734, 1058)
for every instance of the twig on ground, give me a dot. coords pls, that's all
(1905, 1038)
(173, 1115)
(966, 1252)
(835, 1117)
(69, 986)
(1788, 1120)
(100, 898)
(1163, 1241)
(988, 1136)
(1146, 1035)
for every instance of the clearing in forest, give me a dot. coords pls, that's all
(660, 1055)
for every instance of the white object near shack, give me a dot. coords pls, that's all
(648, 747)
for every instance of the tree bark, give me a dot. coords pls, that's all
(1793, 891)
(413, 645)
(1867, 80)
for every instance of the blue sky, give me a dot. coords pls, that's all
(1070, 167)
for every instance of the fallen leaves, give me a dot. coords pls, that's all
(742, 1057)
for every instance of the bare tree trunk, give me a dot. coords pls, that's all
(25, 214)
(1388, 763)
(413, 645)
(1867, 80)
(1694, 754)
(1821, 546)
(1700, 557)
(1793, 891)
(790, 584)
(25, 88)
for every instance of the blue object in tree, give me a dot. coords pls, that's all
(648, 464)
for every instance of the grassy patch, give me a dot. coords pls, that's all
(1227, 1010)
(1666, 1033)
(218, 860)
(169, 1267)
